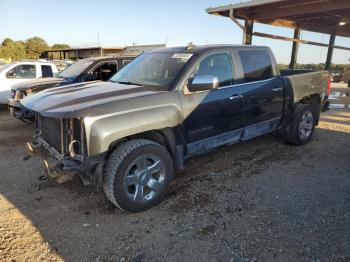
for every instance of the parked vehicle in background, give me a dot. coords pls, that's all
(338, 78)
(129, 134)
(62, 64)
(85, 70)
(18, 72)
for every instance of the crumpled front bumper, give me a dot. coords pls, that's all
(63, 168)
(54, 166)
(18, 111)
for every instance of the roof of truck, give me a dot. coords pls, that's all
(200, 48)
(110, 57)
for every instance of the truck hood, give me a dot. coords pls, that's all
(47, 82)
(81, 100)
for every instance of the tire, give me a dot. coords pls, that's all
(137, 175)
(302, 126)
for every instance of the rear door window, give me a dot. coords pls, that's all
(256, 65)
(46, 71)
(22, 72)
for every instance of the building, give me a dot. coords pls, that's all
(85, 52)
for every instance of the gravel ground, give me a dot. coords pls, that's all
(261, 200)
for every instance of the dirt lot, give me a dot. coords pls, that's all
(262, 200)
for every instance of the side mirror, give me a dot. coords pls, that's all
(11, 74)
(203, 83)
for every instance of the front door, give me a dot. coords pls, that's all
(211, 116)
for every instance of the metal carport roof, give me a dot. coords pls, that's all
(323, 16)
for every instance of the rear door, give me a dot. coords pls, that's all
(262, 88)
(210, 116)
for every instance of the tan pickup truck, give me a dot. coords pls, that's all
(130, 134)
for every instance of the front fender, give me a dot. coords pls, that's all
(102, 131)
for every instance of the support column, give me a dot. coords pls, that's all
(248, 36)
(295, 49)
(330, 51)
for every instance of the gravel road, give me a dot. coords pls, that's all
(261, 200)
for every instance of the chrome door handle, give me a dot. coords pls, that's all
(277, 89)
(236, 97)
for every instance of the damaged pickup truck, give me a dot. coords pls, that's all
(130, 134)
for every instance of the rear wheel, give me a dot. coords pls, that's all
(137, 175)
(303, 125)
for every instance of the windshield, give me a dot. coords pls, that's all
(4, 66)
(75, 69)
(153, 69)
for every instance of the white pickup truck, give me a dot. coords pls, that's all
(18, 72)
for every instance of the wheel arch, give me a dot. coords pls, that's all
(315, 102)
(167, 137)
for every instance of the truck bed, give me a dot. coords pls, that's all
(304, 83)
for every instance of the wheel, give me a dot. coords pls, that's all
(137, 175)
(303, 125)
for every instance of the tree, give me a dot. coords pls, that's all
(8, 48)
(20, 50)
(35, 46)
(59, 46)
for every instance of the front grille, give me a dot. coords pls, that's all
(59, 132)
(51, 132)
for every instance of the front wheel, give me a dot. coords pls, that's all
(137, 175)
(303, 125)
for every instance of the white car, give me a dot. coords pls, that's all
(18, 72)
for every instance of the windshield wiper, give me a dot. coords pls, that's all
(128, 83)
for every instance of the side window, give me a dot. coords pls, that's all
(218, 65)
(103, 71)
(46, 71)
(256, 65)
(22, 72)
(108, 70)
(125, 62)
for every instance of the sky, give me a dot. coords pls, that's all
(122, 22)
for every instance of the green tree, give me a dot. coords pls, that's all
(20, 50)
(8, 48)
(35, 46)
(59, 46)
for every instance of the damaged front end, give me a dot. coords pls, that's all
(61, 143)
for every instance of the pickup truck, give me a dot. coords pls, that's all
(85, 70)
(129, 135)
(19, 72)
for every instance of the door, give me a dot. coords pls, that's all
(211, 116)
(262, 90)
(16, 75)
